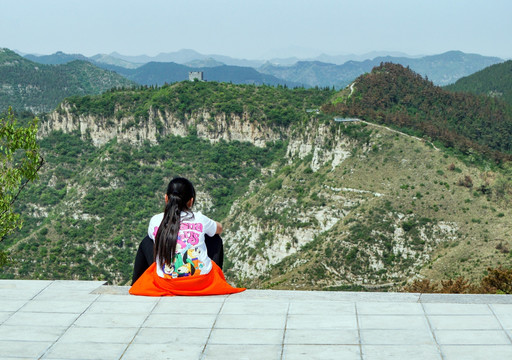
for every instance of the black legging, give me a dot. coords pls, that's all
(144, 257)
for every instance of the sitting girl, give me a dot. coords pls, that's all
(182, 265)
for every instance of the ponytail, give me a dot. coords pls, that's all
(179, 193)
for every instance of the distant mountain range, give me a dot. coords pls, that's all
(325, 70)
(495, 81)
(58, 58)
(441, 69)
(40, 87)
(185, 56)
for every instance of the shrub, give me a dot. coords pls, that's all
(421, 286)
(466, 181)
(497, 281)
(408, 225)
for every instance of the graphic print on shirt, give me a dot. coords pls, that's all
(186, 259)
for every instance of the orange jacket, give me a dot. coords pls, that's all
(213, 283)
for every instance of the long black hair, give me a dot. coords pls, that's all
(179, 193)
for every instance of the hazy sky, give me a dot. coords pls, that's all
(257, 29)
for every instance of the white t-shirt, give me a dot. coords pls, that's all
(191, 257)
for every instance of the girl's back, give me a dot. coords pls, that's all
(191, 258)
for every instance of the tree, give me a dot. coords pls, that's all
(20, 161)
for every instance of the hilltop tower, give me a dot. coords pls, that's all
(192, 75)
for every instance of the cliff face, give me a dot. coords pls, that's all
(320, 140)
(214, 128)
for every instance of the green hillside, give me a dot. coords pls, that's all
(394, 95)
(396, 209)
(266, 105)
(26, 85)
(494, 81)
(160, 73)
(306, 202)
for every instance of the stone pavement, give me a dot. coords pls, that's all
(85, 320)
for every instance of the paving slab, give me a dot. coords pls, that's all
(85, 351)
(238, 352)
(396, 337)
(379, 308)
(325, 322)
(27, 332)
(481, 352)
(54, 306)
(394, 322)
(321, 307)
(90, 320)
(464, 322)
(246, 337)
(472, 337)
(113, 335)
(178, 350)
(4, 315)
(172, 336)
(345, 352)
(21, 289)
(392, 352)
(505, 320)
(23, 349)
(457, 309)
(251, 321)
(321, 337)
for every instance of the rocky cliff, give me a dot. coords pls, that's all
(158, 124)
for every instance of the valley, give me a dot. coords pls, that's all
(307, 202)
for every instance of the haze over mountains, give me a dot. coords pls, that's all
(324, 70)
(64, 75)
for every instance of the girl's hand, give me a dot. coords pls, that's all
(219, 228)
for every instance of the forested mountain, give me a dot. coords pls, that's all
(100, 60)
(396, 96)
(204, 63)
(26, 85)
(307, 202)
(315, 73)
(494, 81)
(160, 73)
(442, 69)
(184, 56)
(58, 58)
